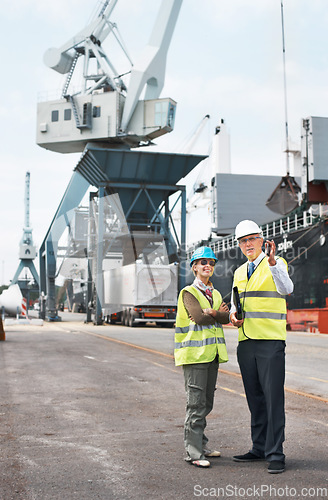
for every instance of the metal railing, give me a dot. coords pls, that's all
(276, 228)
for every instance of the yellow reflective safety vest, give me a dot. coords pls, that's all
(264, 308)
(196, 343)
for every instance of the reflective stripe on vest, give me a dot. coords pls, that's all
(196, 328)
(265, 315)
(198, 343)
(271, 295)
(264, 308)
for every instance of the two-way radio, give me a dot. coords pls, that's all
(236, 300)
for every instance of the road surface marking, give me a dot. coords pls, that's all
(111, 339)
(304, 376)
(227, 372)
(318, 422)
(318, 379)
(227, 389)
(163, 366)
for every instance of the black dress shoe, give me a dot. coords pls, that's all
(276, 467)
(248, 457)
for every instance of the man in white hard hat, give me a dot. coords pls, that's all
(262, 283)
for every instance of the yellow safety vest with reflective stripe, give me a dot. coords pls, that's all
(196, 343)
(264, 308)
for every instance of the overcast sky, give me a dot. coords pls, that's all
(225, 60)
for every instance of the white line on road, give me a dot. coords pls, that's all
(318, 422)
(304, 376)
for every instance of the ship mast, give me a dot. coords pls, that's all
(284, 198)
(285, 84)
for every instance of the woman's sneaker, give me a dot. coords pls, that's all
(211, 453)
(200, 463)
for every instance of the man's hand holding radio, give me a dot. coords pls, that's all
(234, 321)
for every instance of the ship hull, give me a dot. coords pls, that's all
(306, 252)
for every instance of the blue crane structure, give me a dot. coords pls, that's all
(107, 120)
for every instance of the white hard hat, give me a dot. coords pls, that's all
(246, 227)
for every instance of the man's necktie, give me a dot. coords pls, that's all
(251, 267)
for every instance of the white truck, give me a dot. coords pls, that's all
(140, 293)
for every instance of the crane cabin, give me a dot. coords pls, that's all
(67, 125)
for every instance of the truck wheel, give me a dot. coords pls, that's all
(132, 323)
(124, 317)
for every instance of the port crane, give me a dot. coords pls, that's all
(106, 110)
(108, 121)
(27, 250)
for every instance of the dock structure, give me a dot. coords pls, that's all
(89, 413)
(144, 183)
(107, 120)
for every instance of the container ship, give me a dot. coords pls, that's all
(300, 234)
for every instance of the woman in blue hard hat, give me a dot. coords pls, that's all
(199, 348)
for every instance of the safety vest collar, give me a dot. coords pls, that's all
(202, 299)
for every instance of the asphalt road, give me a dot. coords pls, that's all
(86, 415)
(306, 353)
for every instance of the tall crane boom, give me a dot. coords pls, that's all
(150, 67)
(61, 59)
(27, 200)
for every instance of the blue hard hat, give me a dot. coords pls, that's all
(203, 253)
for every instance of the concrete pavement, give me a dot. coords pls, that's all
(85, 416)
(306, 353)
